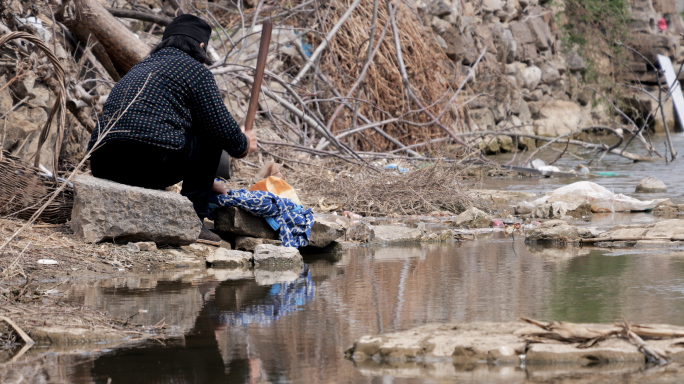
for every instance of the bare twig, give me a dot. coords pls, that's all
(138, 15)
(324, 43)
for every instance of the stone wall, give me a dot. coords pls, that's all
(529, 81)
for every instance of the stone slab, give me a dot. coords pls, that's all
(222, 258)
(105, 210)
(501, 344)
(273, 255)
(392, 234)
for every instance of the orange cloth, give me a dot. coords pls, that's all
(278, 187)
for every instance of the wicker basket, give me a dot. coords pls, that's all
(23, 190)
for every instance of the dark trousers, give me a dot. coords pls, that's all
(145, 165)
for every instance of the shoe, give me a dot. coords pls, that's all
(208, 237)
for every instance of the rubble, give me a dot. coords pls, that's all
(247, 243)
(240, 222)
(327, 229)
(360, 231)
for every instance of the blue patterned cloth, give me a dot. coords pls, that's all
(292, 221)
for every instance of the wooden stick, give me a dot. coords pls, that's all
(624, 238)
(143, 16)
(325, 42)
(259, 74)
(28, 340)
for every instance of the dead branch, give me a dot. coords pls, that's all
(582, 144)
(142, 16)
(27, 339)
(650, 352)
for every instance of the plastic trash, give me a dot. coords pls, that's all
(307, 48)
(540, 165)
(396, 167)
(583, 169)
(600, 199)
(37, 25)
(48, 262)
(608, 174)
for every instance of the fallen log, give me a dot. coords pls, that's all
(121, 45)
(654, 333)
(586, 337)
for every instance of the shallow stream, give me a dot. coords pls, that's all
(294, 326)
(628, 173)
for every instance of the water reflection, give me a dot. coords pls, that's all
(283, 297)
(293, 326)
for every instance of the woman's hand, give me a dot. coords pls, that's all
(252, 137)
(219, 188)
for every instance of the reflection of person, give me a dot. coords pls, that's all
(165, 121)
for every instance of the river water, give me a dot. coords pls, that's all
(628, 172)
(241, 327)
(294, 326)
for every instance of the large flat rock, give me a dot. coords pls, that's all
(673, 229)
(502, 344)
(394, 234)
(224, 258)
(105, 210)
(556, 231)
(276, 256)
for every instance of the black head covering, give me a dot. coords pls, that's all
(189, 25)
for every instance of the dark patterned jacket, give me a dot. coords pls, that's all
(163, 97)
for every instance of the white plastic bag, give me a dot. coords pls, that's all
(540, 165)
(600, 198)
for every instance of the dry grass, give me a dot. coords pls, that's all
(383, 94)
(425, 188)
